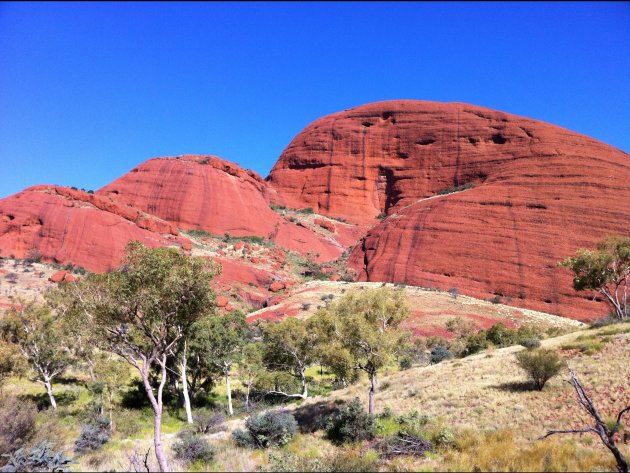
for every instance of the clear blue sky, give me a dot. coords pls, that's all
(88, 91)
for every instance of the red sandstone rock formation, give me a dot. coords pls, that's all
(65, 225)
(207, 193)
(530, 193)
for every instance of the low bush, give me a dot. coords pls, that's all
(93, 435)
(439, 354)
(541, 365)
(17, 423)
(443, 438)
(405, 363)
(193, 448)
(207, 421)
(475, 343)
(351, 424)
(531, 343)
(39, 458)
(266, 430)
(603, 322)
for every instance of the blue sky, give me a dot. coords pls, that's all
(88, 91)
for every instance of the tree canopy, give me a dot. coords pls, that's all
(605, 270)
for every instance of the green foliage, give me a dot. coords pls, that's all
(450, 190)
(605, 271)
(475, 343)
(587, 344)
(362, 328)
(142, 309)
(258, 240)
(39, 458)
(40, 338)
(289, 346)
(273, 428)
(278, 208)
(499, 335)
(351, 424)
(443, 437)
(200, 233)
(93, 435)
(405, 363)
(11, 361)
(17, 423)
(439, 354)
(530, 343)
(219, 339)
(193, 448)
(541, 365)
(307, 210)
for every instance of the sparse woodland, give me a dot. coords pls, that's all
(137, 370)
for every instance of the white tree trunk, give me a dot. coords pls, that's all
(229, 392)
(53, 403)
(189, 417)
(304, 385)
(156, 403)
(372, 396)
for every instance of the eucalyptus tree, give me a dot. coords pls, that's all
(219, 341)
(289, 347)
(39, 337)
(606, 270)
(142, 311)
(364, 326)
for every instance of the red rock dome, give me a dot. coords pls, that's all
(527, 194)
(210, 194)
(69, 226)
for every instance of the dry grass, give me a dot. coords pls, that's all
(487, 392)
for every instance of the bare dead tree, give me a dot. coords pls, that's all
(139, 461)
(606, 434)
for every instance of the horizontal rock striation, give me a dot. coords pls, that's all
(69, 226)
(472, 198)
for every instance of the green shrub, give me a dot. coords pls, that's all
(193, 448)
(405, 363)
(307, 210)
(266, 430)
(450, 190)
(351, 424)
(39, 458)
(541, 365)
(444, 438)
(93, 435)
(439, 354)
(17, 423)
(199, 233)
(475, 343)
(500, 335)
(531, 343)
(603, 322)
